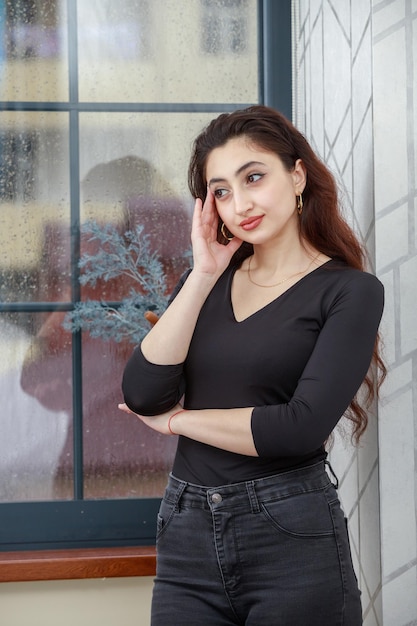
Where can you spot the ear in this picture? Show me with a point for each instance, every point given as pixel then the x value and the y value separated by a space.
pixel 299 174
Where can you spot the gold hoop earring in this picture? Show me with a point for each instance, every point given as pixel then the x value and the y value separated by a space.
pixel 300 204
pixel 229 238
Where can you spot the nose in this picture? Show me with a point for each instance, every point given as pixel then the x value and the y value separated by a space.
pixel 242 202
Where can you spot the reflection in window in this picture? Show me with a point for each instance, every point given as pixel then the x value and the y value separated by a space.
pixel 17 158
pixel 122 458
pixel 31 29
pixel 33 436
pixel 224 26
pixel 116 35
pixel 34 193
pixel 59 388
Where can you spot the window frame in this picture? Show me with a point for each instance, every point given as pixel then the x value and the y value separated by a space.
pixel 79 523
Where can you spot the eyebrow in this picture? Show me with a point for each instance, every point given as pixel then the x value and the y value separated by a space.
pixel 241 169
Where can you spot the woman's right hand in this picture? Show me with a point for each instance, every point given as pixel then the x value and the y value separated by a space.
pixel 167 343
pixel 210 256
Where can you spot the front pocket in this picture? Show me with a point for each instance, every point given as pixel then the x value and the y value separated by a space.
pixel 301 515
pixel 165 515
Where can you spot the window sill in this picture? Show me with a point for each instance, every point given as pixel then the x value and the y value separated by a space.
pixel 77 563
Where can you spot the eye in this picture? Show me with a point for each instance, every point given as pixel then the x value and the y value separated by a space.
pixel 253 178
pixel 219 193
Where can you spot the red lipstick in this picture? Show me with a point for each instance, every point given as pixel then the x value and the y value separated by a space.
pixel 251 222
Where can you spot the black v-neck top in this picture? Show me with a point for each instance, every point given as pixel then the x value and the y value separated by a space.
pixel 299 361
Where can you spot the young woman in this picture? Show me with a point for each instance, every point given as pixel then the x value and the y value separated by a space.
pixel 267 340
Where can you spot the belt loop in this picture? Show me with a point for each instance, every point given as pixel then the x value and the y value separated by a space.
pixel 254 504
pixel 331 470
pixel 180 491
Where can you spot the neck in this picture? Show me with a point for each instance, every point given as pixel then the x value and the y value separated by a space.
pixel 288 258
pixel 284 278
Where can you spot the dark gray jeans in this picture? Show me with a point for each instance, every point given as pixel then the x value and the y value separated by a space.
pixel 267 552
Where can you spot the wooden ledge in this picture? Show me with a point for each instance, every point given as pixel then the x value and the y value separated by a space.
pixel 77 563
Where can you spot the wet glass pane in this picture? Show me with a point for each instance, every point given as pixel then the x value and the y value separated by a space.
pixel 122 457
pixel 133 174
pixel 168 51
pixel 133 179
pixel 35 415
pixel 34 206
pixel 33 53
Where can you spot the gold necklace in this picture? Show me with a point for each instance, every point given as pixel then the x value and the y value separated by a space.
pixel 284 280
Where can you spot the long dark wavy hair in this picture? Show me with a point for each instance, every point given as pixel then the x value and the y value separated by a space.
pixel 321 224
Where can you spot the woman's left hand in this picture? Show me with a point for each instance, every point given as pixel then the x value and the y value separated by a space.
pixel 156 422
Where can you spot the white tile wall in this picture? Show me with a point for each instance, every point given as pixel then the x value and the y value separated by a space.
pixel 356 101
pixel 392 237
pixel 395 133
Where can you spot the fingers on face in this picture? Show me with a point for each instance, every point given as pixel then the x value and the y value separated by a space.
pixel 210 200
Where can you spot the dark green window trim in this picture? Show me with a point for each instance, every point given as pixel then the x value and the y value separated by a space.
pixel 275 43
pixel 77 524
pixel 83 523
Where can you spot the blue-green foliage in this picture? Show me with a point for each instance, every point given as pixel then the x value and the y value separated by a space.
pixel 119 255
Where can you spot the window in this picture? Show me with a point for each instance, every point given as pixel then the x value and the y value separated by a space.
pixel 17 155
pixel 101 103
pixel 32 29
pixel 116 34
pixel 224 25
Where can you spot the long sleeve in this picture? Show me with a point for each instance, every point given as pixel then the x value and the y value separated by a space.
pixel 298 361
pixel 334 372
pixel 151 389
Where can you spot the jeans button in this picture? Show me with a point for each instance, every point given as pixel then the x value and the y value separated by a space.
pixel 216 498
